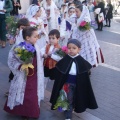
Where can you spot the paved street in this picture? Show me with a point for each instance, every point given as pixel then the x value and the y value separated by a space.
pixel 105 80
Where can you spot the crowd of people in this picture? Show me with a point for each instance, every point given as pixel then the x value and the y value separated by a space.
pixel 48 27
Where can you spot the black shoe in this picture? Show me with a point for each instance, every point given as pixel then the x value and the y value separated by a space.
pixel 109 26
pixel 97 29
pixel 101 30
pixel 105 25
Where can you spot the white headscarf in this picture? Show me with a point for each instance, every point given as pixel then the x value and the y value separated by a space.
pixel 53 15
pixel 32 10
pixel 85 15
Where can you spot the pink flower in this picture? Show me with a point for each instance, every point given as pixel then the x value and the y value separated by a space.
pixel 65 49
pixel 66 88
pixel 83 23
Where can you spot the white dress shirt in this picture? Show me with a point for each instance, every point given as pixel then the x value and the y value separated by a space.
pixel 2 3
pixel 73 67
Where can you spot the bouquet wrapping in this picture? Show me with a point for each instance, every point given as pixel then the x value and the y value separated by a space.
pixel 25 53
pixel 62 101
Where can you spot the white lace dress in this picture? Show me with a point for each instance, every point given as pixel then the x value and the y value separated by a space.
pixel 89 45
pixel 42 32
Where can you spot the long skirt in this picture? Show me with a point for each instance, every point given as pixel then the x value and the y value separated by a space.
pixel 30 106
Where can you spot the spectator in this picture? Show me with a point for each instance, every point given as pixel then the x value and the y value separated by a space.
pixel 16 7
pixel 5 9
pixel 109 14
pixel 100 15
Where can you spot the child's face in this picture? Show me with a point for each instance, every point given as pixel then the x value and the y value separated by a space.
pixel 38 13
pixel 71 11
pixel 33 38
pixel 53 39
pixel 78 12
pixel 48 2
pixel 73 49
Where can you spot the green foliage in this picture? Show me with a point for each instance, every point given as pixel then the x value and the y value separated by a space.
pixel 84 28
pixel 26 56
pixel 11 22
pixel 62 101
pixel 60 52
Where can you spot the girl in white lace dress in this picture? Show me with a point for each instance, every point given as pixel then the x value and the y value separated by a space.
pixel 90 48
pixel 25 93
pixel 67 25
pixel 33 14
pixel 52 14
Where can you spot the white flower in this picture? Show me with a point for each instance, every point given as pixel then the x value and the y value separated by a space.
pixel 23 47
pixel 64 108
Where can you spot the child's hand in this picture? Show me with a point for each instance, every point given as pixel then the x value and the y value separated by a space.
pixel 49 54
pixel 45 55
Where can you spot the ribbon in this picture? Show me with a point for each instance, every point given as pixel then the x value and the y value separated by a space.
pixel 25 68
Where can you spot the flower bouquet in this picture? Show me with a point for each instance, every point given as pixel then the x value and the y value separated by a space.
pixel 25 53
pixel 62 51
pixel 62 102
pixel 84 26
pixel 11 22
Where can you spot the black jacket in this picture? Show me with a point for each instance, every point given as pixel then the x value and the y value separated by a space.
pixel 84 96
pixel 102 6
pixel 109 13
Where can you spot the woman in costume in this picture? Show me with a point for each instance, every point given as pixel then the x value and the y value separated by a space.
pixel 90 48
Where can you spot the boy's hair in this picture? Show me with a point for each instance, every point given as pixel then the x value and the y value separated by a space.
pixel 75 42
pixel 54 32
pixel 28 31
pixel 70 3
pixel 23 22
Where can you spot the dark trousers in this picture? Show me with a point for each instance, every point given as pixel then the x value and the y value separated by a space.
pixel 108 21
pixel 49 73
pixel 100 25
pixel 70 97
pixel 2 27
